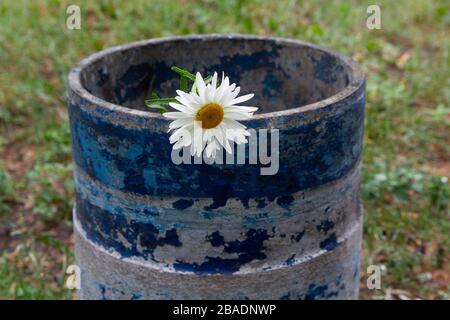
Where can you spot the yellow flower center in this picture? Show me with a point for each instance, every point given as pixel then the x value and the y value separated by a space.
pixel 211 115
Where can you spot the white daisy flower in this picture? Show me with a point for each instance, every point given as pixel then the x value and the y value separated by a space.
pixel 207 117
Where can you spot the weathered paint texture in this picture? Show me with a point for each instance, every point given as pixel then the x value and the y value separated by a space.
pixel 149 229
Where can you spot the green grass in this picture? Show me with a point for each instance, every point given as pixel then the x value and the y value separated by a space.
pixel 407 149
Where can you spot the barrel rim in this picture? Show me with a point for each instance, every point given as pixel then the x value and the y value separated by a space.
pixel 75 85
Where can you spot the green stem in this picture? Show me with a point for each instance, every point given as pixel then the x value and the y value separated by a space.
pixel 159 100
pixel 183 73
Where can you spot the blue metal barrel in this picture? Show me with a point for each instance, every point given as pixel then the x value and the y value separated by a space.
pixel 147 228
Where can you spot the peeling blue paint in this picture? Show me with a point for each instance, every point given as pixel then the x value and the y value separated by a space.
pixel 216 239
pixel 287 296
pixel 291 260
pixel 133 201
pixel 182 204
pixel 315 292
pixel 285 201
pixel 325 226
pixel 329 243
pixel 101 148
pixel 249 249
pixel 298 236
pixel 104 228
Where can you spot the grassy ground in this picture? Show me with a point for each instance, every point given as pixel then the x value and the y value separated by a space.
pixel 407 151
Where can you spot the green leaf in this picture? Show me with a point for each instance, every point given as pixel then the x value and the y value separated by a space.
pixel 159 101
pixel 161 108
pixel 183 73
pixel 155 95
pixel 183 83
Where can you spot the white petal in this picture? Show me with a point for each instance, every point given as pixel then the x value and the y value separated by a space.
pixel 221 137
pixel 174 115
pixel 233 124
pixel 201 87
pixel 237 135
pixel 182 108
pixel 242 98
pixel 228 146
pixel 208 135
pixel 238 139
pixel 198 141
pixel 241 109
pixel 238 115
pixel 214 80
pixel 210 148
pixel 227 98
pixel 186 100
pixel 180 122
pixel 236 92
pixel 191 97
pixel 222 89
pixel 210 93
pixel 178 145
pixel 185 140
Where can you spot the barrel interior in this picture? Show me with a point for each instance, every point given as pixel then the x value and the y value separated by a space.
pixel 282 75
